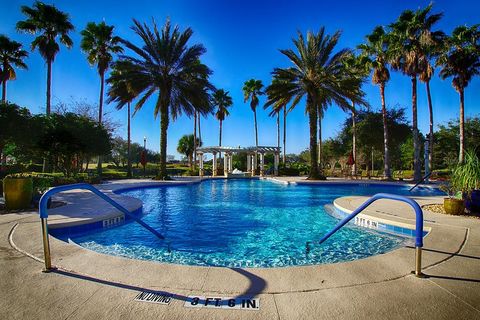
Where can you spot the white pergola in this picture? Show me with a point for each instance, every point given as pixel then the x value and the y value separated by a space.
pixel 252 153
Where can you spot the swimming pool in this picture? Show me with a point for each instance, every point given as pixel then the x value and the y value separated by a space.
pixel 243 223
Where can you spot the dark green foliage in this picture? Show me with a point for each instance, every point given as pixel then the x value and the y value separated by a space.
pixel 69 138
pixel 447 141
pixel 186 146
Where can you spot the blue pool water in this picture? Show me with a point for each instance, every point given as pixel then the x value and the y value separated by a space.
pixel 244 223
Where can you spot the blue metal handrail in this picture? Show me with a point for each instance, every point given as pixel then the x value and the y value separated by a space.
pixel 43 212
pixel 418 223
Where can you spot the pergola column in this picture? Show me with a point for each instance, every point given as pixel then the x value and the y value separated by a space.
pixel 214 164
pixel 230 163
pixel 249 162
pixel 262 162
pixel 200 160
pixel 275 163
pixel 255 163
pixel 225 164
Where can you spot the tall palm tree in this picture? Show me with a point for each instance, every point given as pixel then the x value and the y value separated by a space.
pixel 410 33
pixel 317 74
pixel 432 46
pixel 221 100
pixel 376 50
pixel 120 92
pixel 99 43
pixel 461 62
pixel 49 23
pixel 278 102
pixel 251 90
pixel 167 65
pixel 356 69
pixel 11 55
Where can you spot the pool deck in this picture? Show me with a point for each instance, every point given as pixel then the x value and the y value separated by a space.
pixel 90 285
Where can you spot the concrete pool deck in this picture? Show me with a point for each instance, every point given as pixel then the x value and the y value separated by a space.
pixel 92 285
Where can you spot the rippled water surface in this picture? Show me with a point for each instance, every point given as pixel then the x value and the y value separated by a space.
pixel 244 223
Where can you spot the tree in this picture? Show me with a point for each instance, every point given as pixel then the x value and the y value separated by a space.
pixel 49 23
pixel 370 133
pixel 16 127
pixel 318 74
pixel 461 62
pixel 11 55
pixel 278 103
pixel 251 90
pixel 99 43
pixel 70 138
pixel 222 100
pixel 376 49
pixel 357 69
pixel 447 141
pixel 120 91
pixel 409 35
pixel 166 64
pixel 186 146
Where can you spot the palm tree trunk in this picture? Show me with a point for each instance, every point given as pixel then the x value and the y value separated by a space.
pixel 386 156
pixel 278 130
pixel 354 141
pixel 284 134
pixel 320 167
pixel 163 139
pixel 100 116
pixel 4 91
pixel 49 84
pixel 417 165
pixel 220 143
pixel 461 155
pixel 129 157
pixel 199 131
pixel 430 142
pixel 256 129
pixel 194 139
pixel 312 120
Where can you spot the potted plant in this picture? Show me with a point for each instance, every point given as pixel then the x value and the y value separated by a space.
pixel 464 181
pixel 454 204
pixel 469 173
pixel 18 191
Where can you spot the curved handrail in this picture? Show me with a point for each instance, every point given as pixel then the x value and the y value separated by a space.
pixel 43 212
pixel 378 196
pixel 42 207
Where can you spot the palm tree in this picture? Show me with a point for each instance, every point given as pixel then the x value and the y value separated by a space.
pixel 461 62
pixel 251 90
pixel 167 65
pixel 432 49
pixel 278 102
pixel 356 69
pixel 120 92
pixel 50 23
pixel 186 146
pixel 11 55
pixel 376 50
pixel 410 35
pixel 222 100
pixel 317 74
pixel 99 43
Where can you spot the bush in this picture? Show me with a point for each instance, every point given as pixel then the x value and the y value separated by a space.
pixel 191 172
pixel 288 171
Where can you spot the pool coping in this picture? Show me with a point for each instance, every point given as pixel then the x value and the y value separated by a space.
pixel 394 264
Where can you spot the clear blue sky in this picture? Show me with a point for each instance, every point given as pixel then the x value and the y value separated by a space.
pixel 242 40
